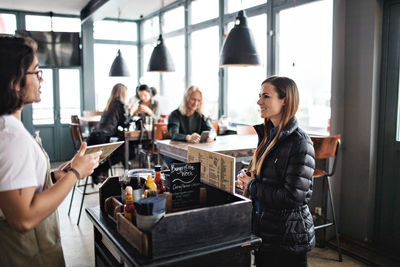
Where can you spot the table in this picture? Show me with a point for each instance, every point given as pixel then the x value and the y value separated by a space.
pixel 238 146
pixel 134 136
pixel 111 249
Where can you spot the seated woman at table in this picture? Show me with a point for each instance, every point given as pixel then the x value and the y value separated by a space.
pixel 188 121
pixel 115 115
pixel 144 104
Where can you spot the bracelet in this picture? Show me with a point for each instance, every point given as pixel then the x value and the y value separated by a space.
pixel 78 176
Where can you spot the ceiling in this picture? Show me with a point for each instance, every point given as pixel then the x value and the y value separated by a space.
pixel 133 9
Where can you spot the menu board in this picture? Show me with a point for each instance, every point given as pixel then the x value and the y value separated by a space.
pixel 185 184
pixel 216 169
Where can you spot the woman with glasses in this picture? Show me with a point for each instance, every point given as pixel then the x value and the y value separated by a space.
pixel 29 230
pixel 279 178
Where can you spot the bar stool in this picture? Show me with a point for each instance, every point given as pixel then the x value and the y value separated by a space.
pixel 326 148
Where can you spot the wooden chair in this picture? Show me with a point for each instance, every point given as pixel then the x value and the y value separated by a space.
pixel 327 148
pixel 245 129
pixel 77 139
pixel 216 126
pixel 91 113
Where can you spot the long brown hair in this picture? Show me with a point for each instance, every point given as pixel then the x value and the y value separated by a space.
pixel 286 89
pixel 119 91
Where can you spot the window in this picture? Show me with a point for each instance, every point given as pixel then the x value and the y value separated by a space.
pixel 205 67
pixel 8 23
pixel 69 94
pixel 37 23
pixel 43 112
pixel 305 55
pixel 174 82
pixel 237 5
pixel 104 55
pixel 61 24
pixel 244 83
pixel 203 10
pixel 173 20
pixel 115 30
pixel 149 78
pixel 151 28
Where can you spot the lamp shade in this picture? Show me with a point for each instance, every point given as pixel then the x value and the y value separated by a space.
pixel 119 67
pixel 238 48
pixel 161 60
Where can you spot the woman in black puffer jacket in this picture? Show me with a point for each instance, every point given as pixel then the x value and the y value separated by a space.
pixel 279 180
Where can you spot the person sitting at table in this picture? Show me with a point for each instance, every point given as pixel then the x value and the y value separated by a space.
pixel 114 115
pixel 144 104
pixel 188 121
pixel 29 192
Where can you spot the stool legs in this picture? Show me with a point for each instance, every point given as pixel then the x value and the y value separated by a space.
pixel 334 218
pixel 72 197
pixel 83 197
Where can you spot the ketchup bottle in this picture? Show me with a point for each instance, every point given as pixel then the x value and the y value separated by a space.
pixel 158 180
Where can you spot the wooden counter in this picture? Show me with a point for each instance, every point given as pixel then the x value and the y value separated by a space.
pixel 238 146
pixel 111 249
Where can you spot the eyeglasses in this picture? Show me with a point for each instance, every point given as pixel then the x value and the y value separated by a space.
pixel 38 73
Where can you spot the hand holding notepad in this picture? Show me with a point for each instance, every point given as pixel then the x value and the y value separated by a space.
pixel 106 149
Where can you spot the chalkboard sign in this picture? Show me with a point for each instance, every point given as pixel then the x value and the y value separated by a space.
pixel 185 184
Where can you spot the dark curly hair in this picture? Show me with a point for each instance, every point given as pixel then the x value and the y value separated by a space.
pixel 16 56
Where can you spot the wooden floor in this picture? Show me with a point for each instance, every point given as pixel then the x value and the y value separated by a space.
pixel 78 241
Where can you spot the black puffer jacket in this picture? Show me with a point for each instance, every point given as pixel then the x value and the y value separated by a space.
pixel 281 216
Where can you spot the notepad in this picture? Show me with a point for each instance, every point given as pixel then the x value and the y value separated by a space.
pixel 106 149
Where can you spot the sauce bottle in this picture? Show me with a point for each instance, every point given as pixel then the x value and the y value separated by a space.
pixel 129 208
pixel 150 183
pixel 158 180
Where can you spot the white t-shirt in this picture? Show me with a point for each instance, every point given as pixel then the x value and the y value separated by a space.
pixel 22 161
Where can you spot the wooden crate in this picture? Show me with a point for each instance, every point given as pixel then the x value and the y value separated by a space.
pixel 221 218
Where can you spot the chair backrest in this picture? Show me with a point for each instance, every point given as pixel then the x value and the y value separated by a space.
pixel 76 134
pixel 75 119
pixel 161 131
pixel 327 147
pixel 216 126
pixel 91 113
pixel 245 129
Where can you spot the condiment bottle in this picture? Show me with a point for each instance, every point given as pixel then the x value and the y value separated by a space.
pixel 150 183
pixel 158 180
pixel 129 208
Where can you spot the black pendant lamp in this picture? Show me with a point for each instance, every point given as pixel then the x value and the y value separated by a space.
pixel 119 66
pixel 161 60
pixel 239 48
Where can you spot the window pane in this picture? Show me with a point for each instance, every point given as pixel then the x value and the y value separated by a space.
pixel 174 82
pixel 203 10
pixel 305 55
pixel 62 24
pixel 114 30
pixel 151 28
pixel 243 92
pixel 104 56
pixel 43 112
pixel 205 67
pixel 173 20
pixel 236 5
pixel 37 23
pixel 8 23
pixel 149 78
pixel 70 100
